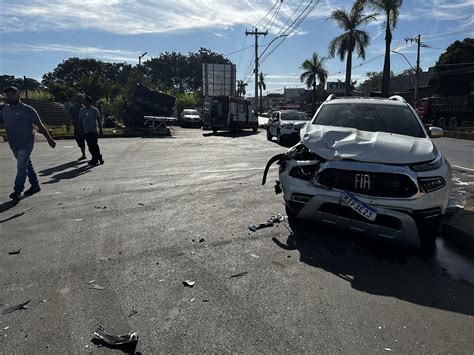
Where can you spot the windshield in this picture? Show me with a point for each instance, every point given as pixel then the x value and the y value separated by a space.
pixel 293 116
pixel 372 118
pixel 190 112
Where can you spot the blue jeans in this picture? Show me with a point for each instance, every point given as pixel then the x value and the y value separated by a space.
pixel 24 169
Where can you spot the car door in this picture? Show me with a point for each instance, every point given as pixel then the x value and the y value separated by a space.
pixel 271 124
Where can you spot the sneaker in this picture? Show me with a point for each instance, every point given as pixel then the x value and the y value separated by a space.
pixel 32 190
pixel 15 196
pixel 92 162
pixel 101 161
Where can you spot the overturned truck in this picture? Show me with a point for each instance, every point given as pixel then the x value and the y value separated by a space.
pixel 147 102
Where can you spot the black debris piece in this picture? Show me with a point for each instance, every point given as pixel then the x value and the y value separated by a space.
pixel 239 275
pixel 189 283
pixel 133 312
pixel 16 308
pixel 15 252
pixel 202 240
pixel 270 223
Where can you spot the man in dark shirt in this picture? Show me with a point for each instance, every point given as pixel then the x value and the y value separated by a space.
pixel 78 131
pixel 90 120
pixel 18 119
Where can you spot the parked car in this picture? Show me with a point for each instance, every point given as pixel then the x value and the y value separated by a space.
pixel 285 125
pixel 190 118
pixel 367 165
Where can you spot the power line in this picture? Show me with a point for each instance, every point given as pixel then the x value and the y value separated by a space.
pixel 263 18
pixel 447 33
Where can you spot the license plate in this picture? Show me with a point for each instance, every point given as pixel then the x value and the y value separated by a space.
pixel 358 206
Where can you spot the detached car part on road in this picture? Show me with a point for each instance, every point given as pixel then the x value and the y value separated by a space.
pixel 367 165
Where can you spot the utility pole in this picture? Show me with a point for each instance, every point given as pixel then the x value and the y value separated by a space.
pixel 256 34
pixel 26 86
pixel 416 39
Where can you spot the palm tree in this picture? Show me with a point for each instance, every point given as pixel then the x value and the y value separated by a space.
pixel 391 10
pixel 314 71
pixel 262 86
pixel 241 88
pixel 353 38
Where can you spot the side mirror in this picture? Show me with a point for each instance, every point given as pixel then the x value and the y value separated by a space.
pixel 436 132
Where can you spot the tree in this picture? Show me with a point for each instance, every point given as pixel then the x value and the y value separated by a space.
pixel 241 92
pixel 373 83
pixel 314 71
pixel 451 76
pixel 11 80
pixel 391 11
pixel 353 38
pixel 262 86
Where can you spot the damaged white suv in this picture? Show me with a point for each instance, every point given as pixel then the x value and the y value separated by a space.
pixel 367 165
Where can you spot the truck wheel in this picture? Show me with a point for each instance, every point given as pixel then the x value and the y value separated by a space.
pixel 441 122
pixel 453 122
pixel 269 135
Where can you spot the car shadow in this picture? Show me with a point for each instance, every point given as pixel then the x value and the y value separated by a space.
pixel 379 268
pixel 71 174
pixel 227 134
pixel 62 167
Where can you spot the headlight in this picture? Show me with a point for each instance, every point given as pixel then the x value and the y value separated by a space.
pixel 432 183
pixel 432 165
pixel 287 125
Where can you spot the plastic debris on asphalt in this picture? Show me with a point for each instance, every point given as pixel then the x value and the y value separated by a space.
pixel 270 223
pixel 18 307
pixel 239 274
pixel 133 312
pixel 189 283
pixel 115 340
pixel 97 287
pixel 15 252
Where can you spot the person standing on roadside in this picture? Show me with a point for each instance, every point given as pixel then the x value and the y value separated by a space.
pixel 18 119
pixel 91 125
pixel 73 112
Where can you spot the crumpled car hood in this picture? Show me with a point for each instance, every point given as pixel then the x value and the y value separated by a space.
pixel 338 143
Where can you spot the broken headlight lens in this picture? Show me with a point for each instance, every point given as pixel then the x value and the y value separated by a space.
pixel 432 183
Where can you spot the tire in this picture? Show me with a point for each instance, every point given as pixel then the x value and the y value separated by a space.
pixel 269 135
pixel 441 122
pixel 280 139
pixel 255 129
pixel 214 130
pixel 453 122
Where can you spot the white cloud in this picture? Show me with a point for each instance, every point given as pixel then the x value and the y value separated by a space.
pixel 138 17
pixel 117 55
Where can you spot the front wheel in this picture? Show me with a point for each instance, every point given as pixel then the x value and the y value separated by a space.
pixel 279 138
pixel 269 135
pixel 441 122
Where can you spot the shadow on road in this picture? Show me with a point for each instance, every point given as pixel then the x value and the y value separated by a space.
pixel 228 134
pixel 126 349
pixel 379 268
pixel 71 174
pixel 7 205
pixel 62 167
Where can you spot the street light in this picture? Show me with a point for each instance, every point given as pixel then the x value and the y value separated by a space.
pixel 416 74
pixel 140 58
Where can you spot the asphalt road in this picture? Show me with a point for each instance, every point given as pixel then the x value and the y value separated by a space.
pixel 164 210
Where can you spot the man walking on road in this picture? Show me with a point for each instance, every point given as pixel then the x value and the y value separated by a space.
pixel 73 112
pixel 18 119
pixel 90 119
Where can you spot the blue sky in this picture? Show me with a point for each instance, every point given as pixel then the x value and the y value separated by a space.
pixel 37 35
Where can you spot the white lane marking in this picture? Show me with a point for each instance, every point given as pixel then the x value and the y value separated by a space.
pixel 462 168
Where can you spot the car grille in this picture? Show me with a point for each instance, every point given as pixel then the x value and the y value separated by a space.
pixel 368 183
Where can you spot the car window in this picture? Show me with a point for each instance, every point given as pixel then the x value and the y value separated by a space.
pixel 372 118
pixel 190 112
pixel 293 116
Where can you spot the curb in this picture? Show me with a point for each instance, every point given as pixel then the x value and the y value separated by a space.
pixel 459 135
pixel 460 229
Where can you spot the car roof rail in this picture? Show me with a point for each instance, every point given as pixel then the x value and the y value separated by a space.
pixel 397 98
pixel 331 97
